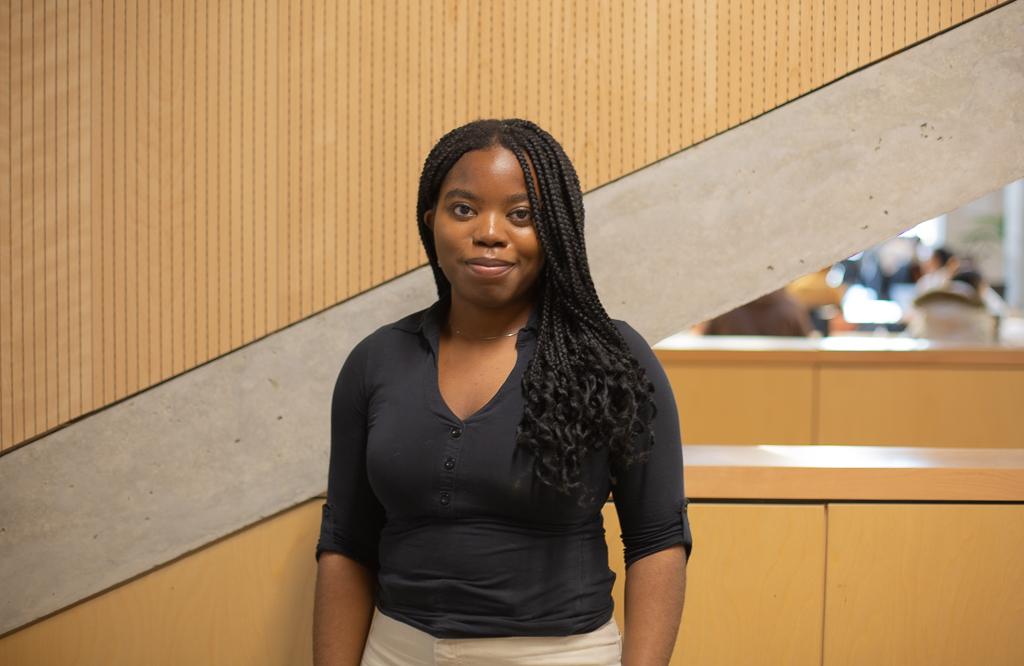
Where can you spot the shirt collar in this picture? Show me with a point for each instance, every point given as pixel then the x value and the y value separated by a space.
pixel 429 321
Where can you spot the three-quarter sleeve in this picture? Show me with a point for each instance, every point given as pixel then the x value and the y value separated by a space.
pixel 649 497
pixel 352 516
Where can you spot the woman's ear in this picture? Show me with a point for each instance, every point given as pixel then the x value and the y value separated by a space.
pixel 428 219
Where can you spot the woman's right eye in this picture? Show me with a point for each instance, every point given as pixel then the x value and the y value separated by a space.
pixel 462 210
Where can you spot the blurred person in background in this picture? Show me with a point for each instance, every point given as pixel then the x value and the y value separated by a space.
pixel 937 269
pixel 953 310
pixel 821 296
pixel 774 314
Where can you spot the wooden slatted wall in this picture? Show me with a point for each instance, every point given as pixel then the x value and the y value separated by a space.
pixel 180 178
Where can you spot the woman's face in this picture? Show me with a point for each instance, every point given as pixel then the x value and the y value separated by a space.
pixel 484 231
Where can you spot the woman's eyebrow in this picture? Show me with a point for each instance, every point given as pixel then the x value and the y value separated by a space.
pixel 516 198
pixel 457 193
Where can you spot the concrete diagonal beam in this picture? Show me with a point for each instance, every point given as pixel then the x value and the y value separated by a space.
pixel 246 436
pixel 815 181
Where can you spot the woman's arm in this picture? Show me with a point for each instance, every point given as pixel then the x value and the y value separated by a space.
pixel 652 510
pixel 342 610
pixel 655 589
pixel 346 582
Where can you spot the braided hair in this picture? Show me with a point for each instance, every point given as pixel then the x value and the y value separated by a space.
pixel 584 389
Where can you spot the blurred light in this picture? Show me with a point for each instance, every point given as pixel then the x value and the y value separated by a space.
pixel 924 253
pixel 856 257
pixel 872 312
pixel 931 232
pixel 835 275
pixel 857 343
pixel 848 457
pixel 858 292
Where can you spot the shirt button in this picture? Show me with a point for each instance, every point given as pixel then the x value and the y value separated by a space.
pixel 456 432
pixel 449 463
pixel 445 499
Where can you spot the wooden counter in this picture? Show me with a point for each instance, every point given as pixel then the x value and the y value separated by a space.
pixel 840 349
pixel 840 556
pixel 845 391
pixel 835 473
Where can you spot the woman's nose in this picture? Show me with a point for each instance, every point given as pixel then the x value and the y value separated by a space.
pixel 489 230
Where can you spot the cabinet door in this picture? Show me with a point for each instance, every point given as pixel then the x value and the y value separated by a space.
pixel 925 584
pixel 245 601
pixel 755 584
pixel 743 403
pixel 916 405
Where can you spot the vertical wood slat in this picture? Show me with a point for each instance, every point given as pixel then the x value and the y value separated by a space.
pixel 223 222
pixel 58 342
pixel 236 176
pixel 130 178
pixel 181 178
pixel 35 312
pixel 85 226
pixel 7 401
pixel 256 157
pixel 16 336
pixel 115 196
pixel 49 199
pixel 153 273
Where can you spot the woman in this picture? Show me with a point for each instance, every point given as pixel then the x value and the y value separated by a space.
pixel 474 444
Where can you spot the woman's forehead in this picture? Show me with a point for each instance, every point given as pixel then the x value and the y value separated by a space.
pixel 489 167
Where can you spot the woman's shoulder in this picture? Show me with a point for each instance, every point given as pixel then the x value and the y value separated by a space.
pixel 636 342
pixel 387 336
pixel 381 350
pixel 642 351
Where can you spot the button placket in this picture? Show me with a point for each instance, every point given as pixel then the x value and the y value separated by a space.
pixel 448 463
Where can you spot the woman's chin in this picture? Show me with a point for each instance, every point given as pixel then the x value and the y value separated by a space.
pixel 493 296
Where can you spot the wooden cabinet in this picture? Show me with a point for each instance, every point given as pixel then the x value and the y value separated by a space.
pixel 914 405
pixel 800 392
pixel 732 403
pixel 246 600
pixel 755 584
pixel 929 584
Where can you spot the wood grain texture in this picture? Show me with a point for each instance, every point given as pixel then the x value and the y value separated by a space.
pixel 924 584
pixel 755 584
pixel 722 403
pixel 6 215
pixel 919 406
pixel 245 600
pixel 796 392
pixel 712 350
pixel 186 177
pixel 854 473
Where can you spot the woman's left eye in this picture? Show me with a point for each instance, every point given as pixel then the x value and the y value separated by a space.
pixel 521 215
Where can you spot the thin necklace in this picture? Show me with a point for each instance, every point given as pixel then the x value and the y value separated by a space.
pixel 473 337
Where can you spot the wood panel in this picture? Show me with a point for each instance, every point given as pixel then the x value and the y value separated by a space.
pixel 738 404
pixel 245 600
pixel 183 177
pixel 755 584
pixel 825 473
pixel 755 350
pixel 915 406
pixel 924 584
pixel 799 392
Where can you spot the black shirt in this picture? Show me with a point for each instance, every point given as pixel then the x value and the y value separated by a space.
pixel 465 540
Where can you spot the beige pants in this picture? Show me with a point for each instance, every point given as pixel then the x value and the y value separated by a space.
pixel 394 643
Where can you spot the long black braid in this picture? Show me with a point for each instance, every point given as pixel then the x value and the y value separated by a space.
pixel 584 388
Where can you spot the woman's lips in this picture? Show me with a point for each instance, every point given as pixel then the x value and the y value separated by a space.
pixel 488 267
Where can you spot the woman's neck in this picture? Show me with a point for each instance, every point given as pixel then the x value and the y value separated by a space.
pixel 473 321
